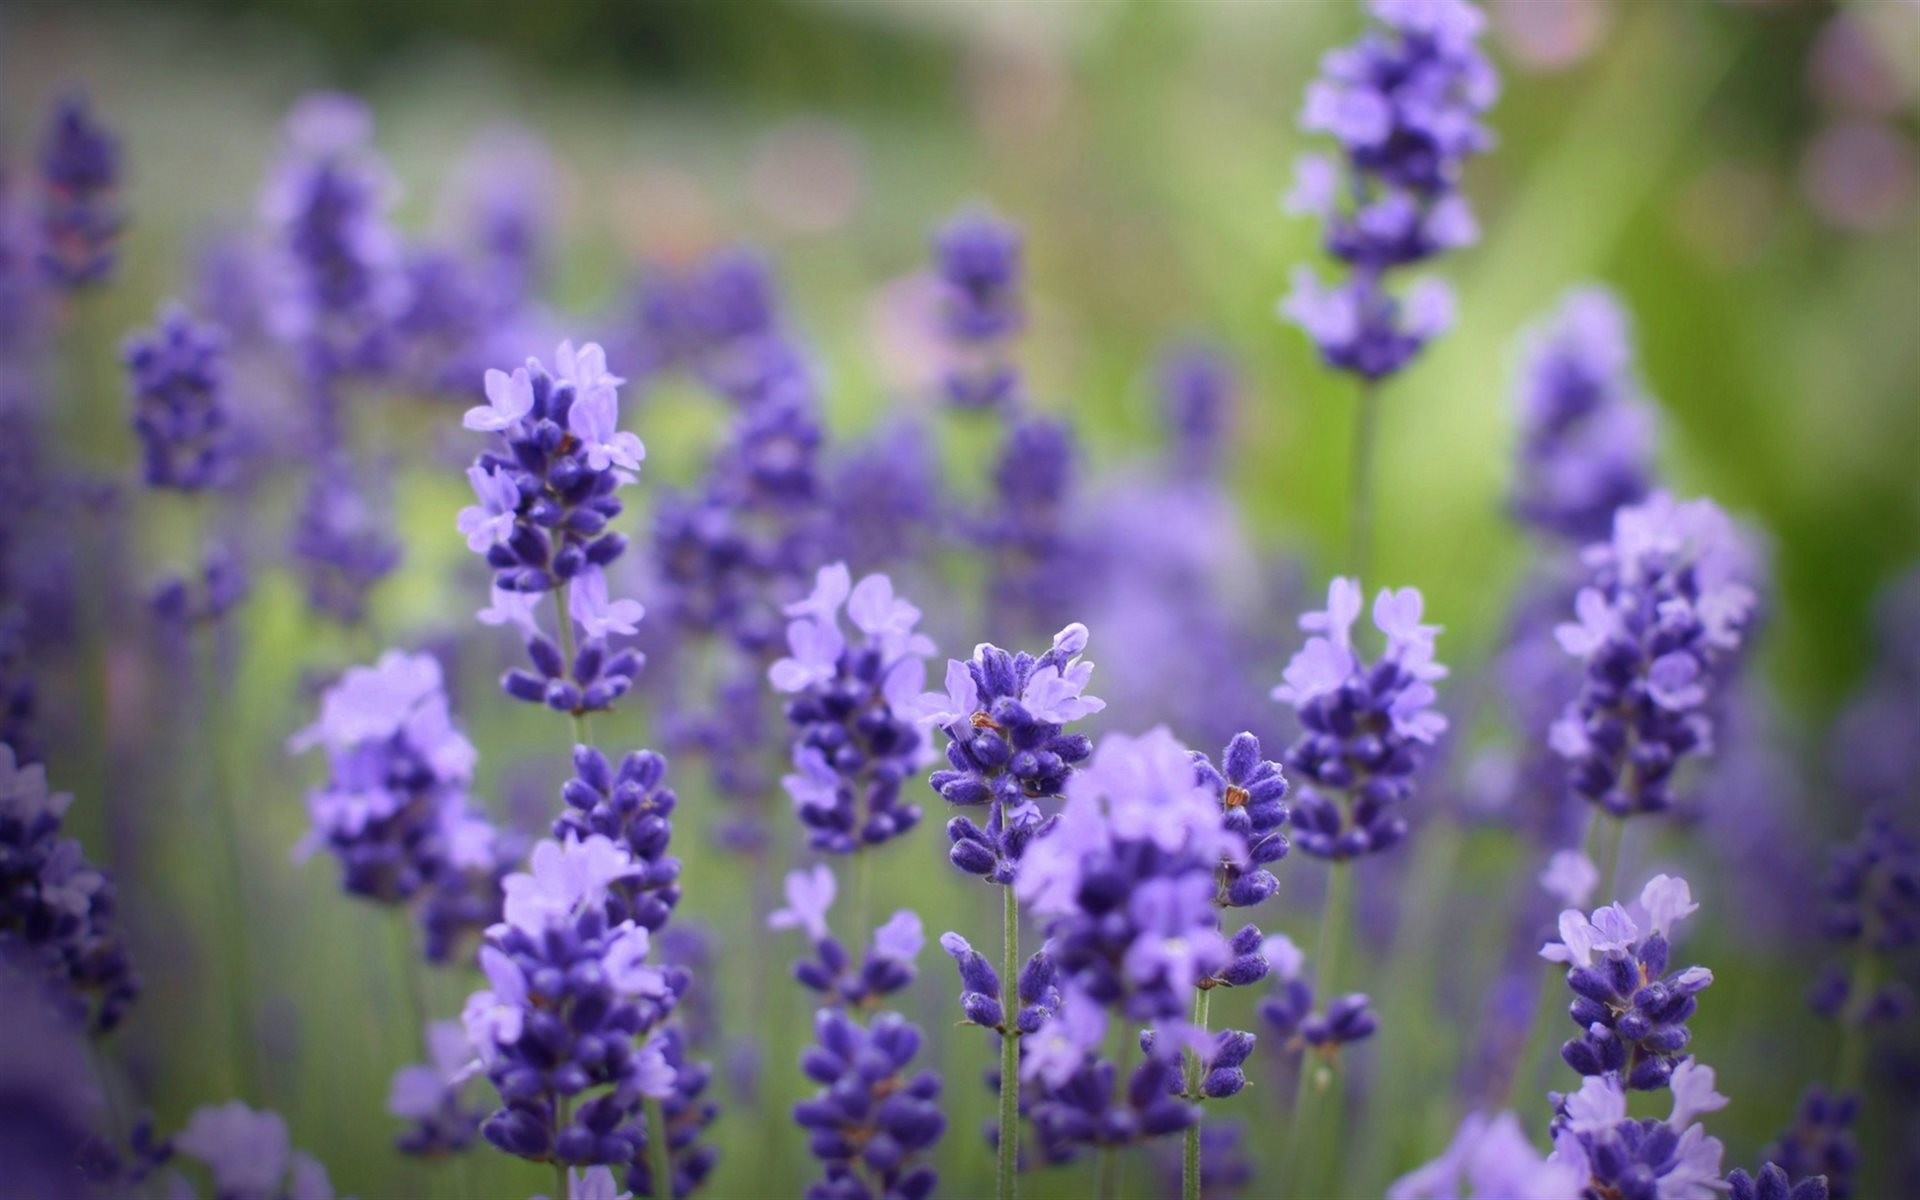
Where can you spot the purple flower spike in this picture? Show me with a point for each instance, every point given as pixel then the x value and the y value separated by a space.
pixel 1405 104
pixel 1365 727
pixel 80 172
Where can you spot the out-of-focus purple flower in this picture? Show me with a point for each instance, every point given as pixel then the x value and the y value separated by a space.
pixel 1035 562
pixel 205 597
pixel 430 1096
pixel 501 201
pixel 1872 907
pixel 1365 726
pixel 1666 611
pixel 343 541
pixel 80 175
pixel 1488 1158
pixel 1773 1183
pixel 1821 1142
pixel 57 910
pixel 395 810
pixel 1405 104
pixel 1197 393
pixel 1586 433
pixel 1005 718
pixel 251 1155
pixel 882 498
pixel 1876 742
pixel 1570 877
pixel 177 377
pixel 333 277
pixel 1674 1159
pixel 1632 1013
pixel 977 264
pixel 1289 1009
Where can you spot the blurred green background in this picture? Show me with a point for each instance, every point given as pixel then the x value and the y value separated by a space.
pixel 1671 150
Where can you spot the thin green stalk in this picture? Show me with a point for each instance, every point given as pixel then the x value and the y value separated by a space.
pixel 582 728
pixel 1103 1173
pixel 1319 1091
pixel 862 897
pixel 659 1151
pixel 227 823
pixel 1851 1068
pixel 1366 421
pixel 1606 834
pixel 1190 1181
pixel 1006 1185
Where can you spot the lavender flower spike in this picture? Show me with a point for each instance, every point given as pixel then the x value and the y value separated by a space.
pixel 853 710
pixel 1632 1013
pixel 1489 1159
pixel 1365 727
pixel 1614 1154
pixel 1405 104
pixel 80 171
pixel 1005 717
pixel 250 1154
pixel 177 375
pixel 1666 611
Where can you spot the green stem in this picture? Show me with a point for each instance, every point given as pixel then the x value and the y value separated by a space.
pixel 1851 1068
pixel 659 1150
pixel 1606 834
pixel 226 821
pixel 1317 1101
pixel 1006 1185
pixel 582 728
pixel 1190 1181
pixel 862 898
pixel 1366 420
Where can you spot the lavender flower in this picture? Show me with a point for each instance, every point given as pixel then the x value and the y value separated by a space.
pixel 431 1096
pixel 568 1030
pixel 57 910
pixel 1489 1158
pixel 1034 562
pixel 1586 432
pixel 1005 717
pixel 80 172
pixel 1667 607
pixel 1617 1155
pixel 336 282
pixel 1079 1099
pixel 1125 880
pixel 1364 726
pixel 395 810
pixel 546 496
pixel 1197 387
pixel 1405 103
pixel 178 379
pixel 1252 793
pixel 1821 1143
pixel 1773 1183
pixel 632 807
pixel 204 598
pixel 853 710
pixel 1632 1013
pixel 889 963
pixel 871 1122
pixel 1289 1010
pixel 977 265
pixel 250 1155
pixel 343 542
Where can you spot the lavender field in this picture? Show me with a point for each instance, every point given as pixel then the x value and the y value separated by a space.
pixel 553 561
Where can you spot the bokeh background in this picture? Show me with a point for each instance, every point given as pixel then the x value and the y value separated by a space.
pixel 1743 174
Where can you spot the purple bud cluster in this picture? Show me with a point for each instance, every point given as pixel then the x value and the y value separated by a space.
pixel 572 1031
pixel 1034 562
pixel 1252 794
pixel 1821 1142
pixel 633 808
pixel 831 971
pixel 1005 717
pixel 853 710
pixel 57 910
pixel 1405 103
pixel 183 601
pixel 1873 906
pixel 1665 611
pixel 872 1123
pixel 177 374
pixel 1289 1009
pixel 1365 727
pixel 432 1096
pixel 1076 1099
pixel 1197 391
pixel 1613 1154
pixel 343 540
pixel 980 1002
pixel 1126 880
pixel 335 282
pixel 1631 1012
pixel 1586 432
pixel 1773 1183
pixel 978 273
pixel 80 175
pixel 395 810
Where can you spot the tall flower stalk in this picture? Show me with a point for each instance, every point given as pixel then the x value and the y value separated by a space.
pixel 1005 716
